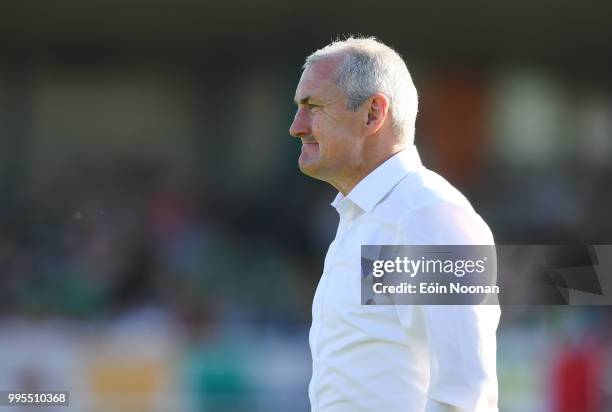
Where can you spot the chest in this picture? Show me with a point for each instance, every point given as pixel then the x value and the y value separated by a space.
pixel 338 295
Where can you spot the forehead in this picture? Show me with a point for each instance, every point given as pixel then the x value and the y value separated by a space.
pixel 317 80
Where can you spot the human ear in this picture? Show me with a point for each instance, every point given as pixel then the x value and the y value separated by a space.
pixel 378 108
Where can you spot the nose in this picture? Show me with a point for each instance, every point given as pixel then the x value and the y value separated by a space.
pixel 301 124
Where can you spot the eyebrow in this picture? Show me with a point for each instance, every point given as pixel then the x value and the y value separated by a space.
pixel 304 100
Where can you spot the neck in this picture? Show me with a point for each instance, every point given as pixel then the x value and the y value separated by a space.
pixel 364 168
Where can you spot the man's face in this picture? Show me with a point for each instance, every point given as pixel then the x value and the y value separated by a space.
pixel 330 133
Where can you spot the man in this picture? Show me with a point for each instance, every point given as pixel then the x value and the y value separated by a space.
pixel 356 111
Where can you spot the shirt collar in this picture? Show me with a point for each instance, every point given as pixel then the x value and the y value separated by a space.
pixel 372 188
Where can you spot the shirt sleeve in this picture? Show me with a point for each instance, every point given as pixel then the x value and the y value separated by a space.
pixel 461 338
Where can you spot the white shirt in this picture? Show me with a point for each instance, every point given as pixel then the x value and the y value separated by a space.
pixel 400 358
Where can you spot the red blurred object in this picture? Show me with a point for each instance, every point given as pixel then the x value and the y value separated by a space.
pixel 577 379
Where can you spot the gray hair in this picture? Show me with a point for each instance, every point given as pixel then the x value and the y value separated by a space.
pixel 369 67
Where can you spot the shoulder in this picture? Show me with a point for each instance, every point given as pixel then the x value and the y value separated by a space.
pixel 425 187
pixel 432 211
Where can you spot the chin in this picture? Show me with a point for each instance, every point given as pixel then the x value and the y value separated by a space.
pixel 306 169
pixel 309 169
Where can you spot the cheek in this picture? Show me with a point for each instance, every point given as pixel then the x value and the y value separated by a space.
pixel 318 126
pixel 334 137
pixel 325 135
pixel 325 130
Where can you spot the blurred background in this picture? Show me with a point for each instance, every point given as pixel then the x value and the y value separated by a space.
pixel 159 249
